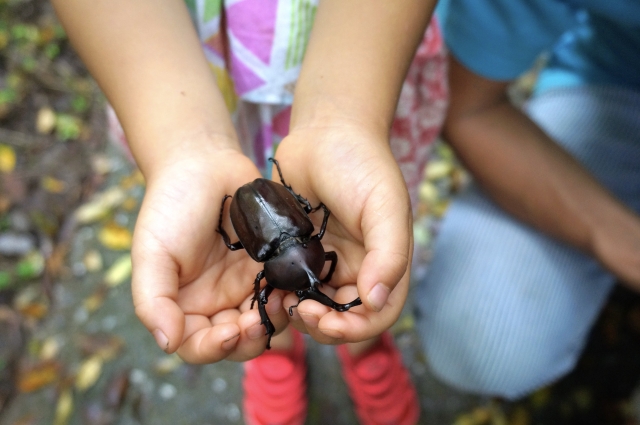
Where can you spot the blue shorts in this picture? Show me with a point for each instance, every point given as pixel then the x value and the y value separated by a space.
pixel 504 309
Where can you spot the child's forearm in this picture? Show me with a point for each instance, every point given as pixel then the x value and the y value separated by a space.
pixel 357 59
pixel 147 59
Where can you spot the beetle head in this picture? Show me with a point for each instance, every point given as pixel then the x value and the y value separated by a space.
pixel 296 267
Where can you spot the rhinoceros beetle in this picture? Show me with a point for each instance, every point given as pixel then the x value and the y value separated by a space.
pixel 273 225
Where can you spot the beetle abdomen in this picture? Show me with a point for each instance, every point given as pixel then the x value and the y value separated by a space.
pixel 263 213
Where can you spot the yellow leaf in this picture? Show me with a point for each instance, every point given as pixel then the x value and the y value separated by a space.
pixel 438 169
pixel 428 192
pixel 119 271
pixel 93 260
pixel 115 237
pixel 167 364
pixel 64 408
pixel 52 185
pixel 50 348
pixel 7 159
pixel 45 121
pixel 89 373
pixel 100 206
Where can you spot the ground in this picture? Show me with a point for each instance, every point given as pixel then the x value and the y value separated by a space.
pixel 71 348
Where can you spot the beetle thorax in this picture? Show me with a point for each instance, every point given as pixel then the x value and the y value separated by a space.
pixel 296 266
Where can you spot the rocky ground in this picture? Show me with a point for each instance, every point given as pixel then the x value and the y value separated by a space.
pixel 71 348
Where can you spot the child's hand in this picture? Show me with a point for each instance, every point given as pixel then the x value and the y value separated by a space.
pixel 354 173
pixel 189 289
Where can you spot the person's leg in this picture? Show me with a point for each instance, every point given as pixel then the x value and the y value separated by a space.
pixel 505 309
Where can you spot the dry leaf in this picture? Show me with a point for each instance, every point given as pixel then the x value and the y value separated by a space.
pixel 45 121
pixel 64 408
pixel 50 348
pixel 117 390
pixel 167 364
pixel 38 376
pixel 105 346
pixel 95 300
pixel 52 185
pixel 130 203
pixel 428 192
pixel 115 237
pixel 7 159
pixel 438 169
pixel 89 372
pixel 119 271
pixel 100 206
pixel 93 260
pixel 134 179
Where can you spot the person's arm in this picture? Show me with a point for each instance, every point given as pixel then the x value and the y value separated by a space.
pixel 146 57
pixel 189 290
pixel 533 178
pixel 338 152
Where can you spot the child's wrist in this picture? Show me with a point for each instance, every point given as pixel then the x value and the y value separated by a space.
pixel 194 147
pixel 343 112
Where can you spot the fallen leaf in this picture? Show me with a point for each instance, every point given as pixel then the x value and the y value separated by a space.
pixel 100 206
pixel 35 310
pixel 68 127
pixel 428 192
pixel 130 203
pixel 38 376
pixel 30 266
pixel 50 348
pixel 93 260
pixel 117 390
pixel 64 408
pixel 167 364
pixel 94 301
pixel 52 185
pixel 7 159
pixel 115 237
pixel 101 164
pixel 89 372
pixel 134 179
pixel 105 346
pixel 45 120
pixel 119 271
pixel 438 169
pixel 5 280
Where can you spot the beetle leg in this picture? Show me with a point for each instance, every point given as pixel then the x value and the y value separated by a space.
pixel 262 301
pixel 225 237
pixel 333 257
pixel 305 203
pixel 323 227
pixel 256 288
pixel 314 293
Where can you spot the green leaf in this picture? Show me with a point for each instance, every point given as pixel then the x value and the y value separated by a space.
pixel 5 280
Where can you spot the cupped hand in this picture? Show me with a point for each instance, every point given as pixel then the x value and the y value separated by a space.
pixel 189 290
pixel 354 174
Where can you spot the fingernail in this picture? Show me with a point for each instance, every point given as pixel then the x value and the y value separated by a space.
pixel 332 333
pixel 378 296
pixel 230 343
pixel 161 339
pixel 310 319
pixel 256 331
